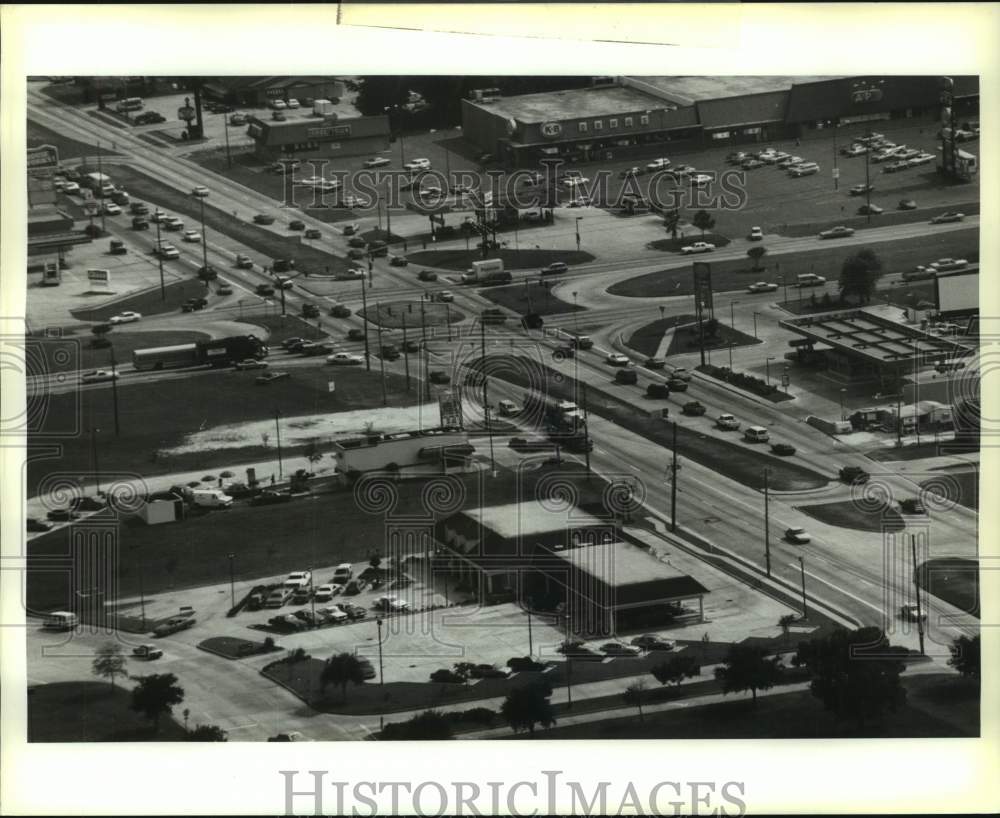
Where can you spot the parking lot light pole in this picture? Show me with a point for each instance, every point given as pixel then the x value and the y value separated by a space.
pixel 842 391
pixel 732 315
pixel 93 453
pixel 204 248
pixel 381 677
pixel 381 355
pixel 277 434
pixel 767 369
pixel 578 220
pixel 868 186
pixel 229 156
pixel 767 525
pixel 364 310
pixel 802 574
pixel 784 285
pixel 730 356
pixel 232 581
pixel 755 324
pixel 159 257
pixel 142 596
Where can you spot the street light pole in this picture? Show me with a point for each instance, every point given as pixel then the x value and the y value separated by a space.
pixel 277 435
pixel 755 324
pixel 232 582
pixel 229 156
pixel 732 315
pixel 916 587
pixel 767 526
pixel 114 388
pixel 364 310
pixel 578 218
pixel 767 369
pixel 381 354
pixel 159 256
pixel 842 391
pixel 406 353
pixel 204 245
pixel 93 453
pixel 802 574
pixel 673 483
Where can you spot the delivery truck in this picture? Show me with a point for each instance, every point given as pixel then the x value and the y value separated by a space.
pixel 486 273
pixel 217 352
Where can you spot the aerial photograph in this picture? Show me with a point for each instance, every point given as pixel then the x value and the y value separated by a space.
pixel 459 407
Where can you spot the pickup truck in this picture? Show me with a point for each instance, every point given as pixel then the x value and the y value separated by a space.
pixel 147 652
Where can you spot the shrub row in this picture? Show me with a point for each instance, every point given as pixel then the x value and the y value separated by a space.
pixel 749 382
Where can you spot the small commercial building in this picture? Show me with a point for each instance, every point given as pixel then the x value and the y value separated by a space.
pixel 566 561
pixel 328 137
pixel 427 451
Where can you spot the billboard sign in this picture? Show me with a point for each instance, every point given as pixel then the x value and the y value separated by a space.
pixel 551 130
pixel 99 279
pixel 957 293
pixel 43 159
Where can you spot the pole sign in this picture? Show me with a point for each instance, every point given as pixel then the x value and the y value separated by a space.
pixel 331 386
pixel 99 279
pixel 43 159
pixel 703 286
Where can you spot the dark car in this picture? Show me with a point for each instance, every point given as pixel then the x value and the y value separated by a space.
pixel 296 224
pixel 356 334
pixel 262 218
pixel 658 390
pixel 34 526
pixel 693 408
pixel 283 265
pixel 310 311
pixel 439 377
pixel 62 515
pixel 912 505
pixel 356 253
pixel 149 118
pixel 854 474
pixel 654 363
pixel 493 315
pixel 677 385
pixel 270 498
pixel 555 268
pixel 530 444
pixel 564 352
pixel 582 342
pixel 139 223
pixel 313 233
pixel 427 275
pixel 907 204
pixel 139 209
pixel 626 376
pixel 357 241
pixel 783 449
pixel 264 289
pixel 340 311
pixel 399 261
pixel 411 346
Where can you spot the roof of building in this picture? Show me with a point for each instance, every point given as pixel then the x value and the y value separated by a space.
pixel 746 110
pixel 523 519
pixel 572 104
pixel 873 337
pixel 634 573
pixel 688 90
pixel 272 132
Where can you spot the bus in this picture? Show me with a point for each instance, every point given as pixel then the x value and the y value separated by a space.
pixel 129 104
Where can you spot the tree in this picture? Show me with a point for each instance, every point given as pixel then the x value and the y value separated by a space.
pixel 155 695
pixel 675 670
pixel 464 669
pixel 527 706
pixel 756 253
pixel 703 221
pixel 109 662
pixel 375 561
pixel 786 622
pixel 341 669
pixel 208 732
pixel 431 725
pixel 633 695
pixel 859 275
pixel 100 331
pixel 854 673
pixel 312 453
pixel 748 668
pixel 965 655
pixel 671 221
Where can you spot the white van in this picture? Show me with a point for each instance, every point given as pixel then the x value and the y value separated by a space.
pixel 809 280
pixel 61 621
pixel 211 498
pixel 343 573
pixel 803 169
pixel 507 408
pixel 756 434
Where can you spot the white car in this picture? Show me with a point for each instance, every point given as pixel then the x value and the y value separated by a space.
pixel 377 162
pixel 727 423
pixel 617 359
pixel 292 103
pixel 127 317
pixel 173 223
pixel 111 209
pixel 356 201
pixel 944 265
pixel 324 593
pixel 200 191
pixel 921 159
pixel 579 201
pixel 344 359
pixel 391 603
pixel 70 187
pixel 167 251
pixel 279 104
pixel 298 579
pixel 310 181
pixel 574 181
pixel 797 535
pixel 698 247
pixel 157 216
pixel 418 164
pixel 854 150
pixel 756 234
pixel 98 375
pixel 762 287
pixel 700 179
pixel 191 236
pixel 334 613
pixel 658 164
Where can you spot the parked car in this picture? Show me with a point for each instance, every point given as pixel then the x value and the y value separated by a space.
pixel 693 408
pixel 797 535
pixel 649 641
pixel 618 649
pixel 149 118
pixel 355 586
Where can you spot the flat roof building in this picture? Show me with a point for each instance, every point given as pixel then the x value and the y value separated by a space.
pixel 318 138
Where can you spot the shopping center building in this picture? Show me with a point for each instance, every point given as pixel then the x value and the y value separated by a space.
pixel 318 138
pixel 643 116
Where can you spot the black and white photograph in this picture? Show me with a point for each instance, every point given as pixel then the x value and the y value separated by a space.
pixel 507 405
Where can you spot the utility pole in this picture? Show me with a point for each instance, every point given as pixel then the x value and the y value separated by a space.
pixel 423 343
pixel 586 432
pixel 486 402
pixel 114 388
pixel 232 582
pixel 364 310
pixel 204 251
pixel 802 574
pixel 836 170
pixel 868 186
pixel 100 173
pixel 381 354
pixel 916 587
pixel 767 526
pixel 159 257
pixel 673 483
pixel 229 156
pixel 93 454
pixel 277 434
pixel 406 354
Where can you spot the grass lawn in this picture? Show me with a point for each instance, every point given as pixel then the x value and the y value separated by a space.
pixel 646 340
pixel 528 297
pixel 92 711
pixel 157 415
pixel 287 326
pixel 674 245
pixel 741 463
pixel 68 148
pixel 954 580
pixel 391 314
pixel 240 227
pixel 230 647
pixel 735 274
pixel 685 338
pixel 461 260
pixel 958 484
pixel 855 516
pixel 147 302
pixel 783 715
